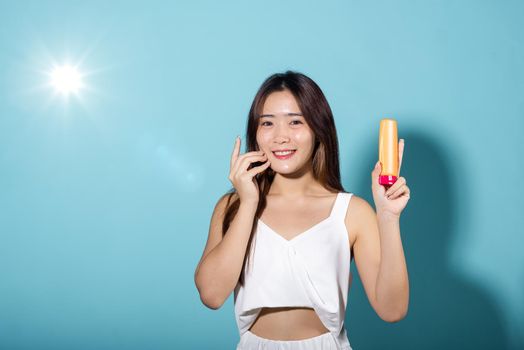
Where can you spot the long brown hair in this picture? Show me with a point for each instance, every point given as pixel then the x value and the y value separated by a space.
pixel 318 115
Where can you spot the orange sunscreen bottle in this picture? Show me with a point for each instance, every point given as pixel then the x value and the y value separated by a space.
pixel 388 152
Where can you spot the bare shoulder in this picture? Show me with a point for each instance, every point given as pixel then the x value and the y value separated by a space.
pixel 219 211
pixel 215 226
pixel 225 199
pixel 358 215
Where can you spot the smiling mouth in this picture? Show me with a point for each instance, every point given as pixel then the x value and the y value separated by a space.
pixel 284 155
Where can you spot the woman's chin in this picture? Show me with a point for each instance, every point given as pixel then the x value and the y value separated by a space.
pixel 284 170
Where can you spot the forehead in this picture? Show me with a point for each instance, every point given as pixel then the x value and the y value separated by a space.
pixel 280 102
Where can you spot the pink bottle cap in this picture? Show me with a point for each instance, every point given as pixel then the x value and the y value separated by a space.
pixel 387 179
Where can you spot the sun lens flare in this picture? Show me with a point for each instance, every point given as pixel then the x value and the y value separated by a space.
pixel 66 79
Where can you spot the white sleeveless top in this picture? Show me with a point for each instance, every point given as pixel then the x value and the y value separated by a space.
pixel 310 270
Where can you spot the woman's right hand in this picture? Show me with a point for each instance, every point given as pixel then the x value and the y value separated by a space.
pixel 243 179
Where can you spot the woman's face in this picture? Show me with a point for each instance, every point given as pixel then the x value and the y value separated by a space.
pixel 282 127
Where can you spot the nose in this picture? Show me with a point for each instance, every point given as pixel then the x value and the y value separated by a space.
pixel 281 132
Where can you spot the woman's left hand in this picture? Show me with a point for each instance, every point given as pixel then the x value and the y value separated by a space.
pixel 393 200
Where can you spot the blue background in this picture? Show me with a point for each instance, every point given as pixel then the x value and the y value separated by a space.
pixel 105 197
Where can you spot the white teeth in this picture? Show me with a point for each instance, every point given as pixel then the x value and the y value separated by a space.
pixel 283 153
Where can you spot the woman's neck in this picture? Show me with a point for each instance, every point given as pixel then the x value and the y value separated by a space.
pixel 291 186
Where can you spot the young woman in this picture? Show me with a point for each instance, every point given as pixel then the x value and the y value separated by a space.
pixel 283 238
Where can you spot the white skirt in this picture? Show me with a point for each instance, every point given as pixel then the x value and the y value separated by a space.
pixel 250 341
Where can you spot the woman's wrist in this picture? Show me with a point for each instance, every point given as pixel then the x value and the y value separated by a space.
pixel 385 216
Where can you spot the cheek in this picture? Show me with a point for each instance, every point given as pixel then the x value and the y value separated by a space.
pixel 262 139
pixel 261 142
pixel 304 138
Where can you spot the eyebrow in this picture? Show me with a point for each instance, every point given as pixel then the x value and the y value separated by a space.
pixel 287 115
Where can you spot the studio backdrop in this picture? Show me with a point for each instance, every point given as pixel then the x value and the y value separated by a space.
pixel 117 123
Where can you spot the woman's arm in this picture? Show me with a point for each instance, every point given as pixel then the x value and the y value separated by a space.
pixel 392 289
pixel 217 273
pixel 380 261
pixel 378 247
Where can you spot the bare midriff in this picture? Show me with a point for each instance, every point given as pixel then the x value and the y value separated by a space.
pixel 288 323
